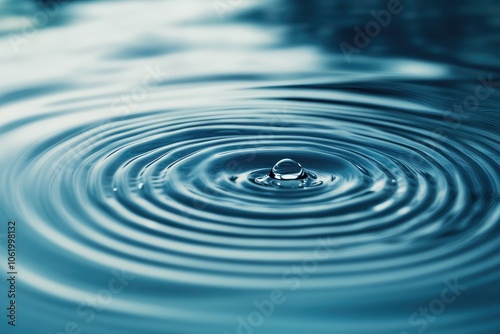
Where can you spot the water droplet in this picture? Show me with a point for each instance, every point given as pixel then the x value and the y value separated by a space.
pixel 115 189
pixel 287 169
pixel 140 185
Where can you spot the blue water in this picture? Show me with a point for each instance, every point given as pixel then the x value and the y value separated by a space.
pixel 138 140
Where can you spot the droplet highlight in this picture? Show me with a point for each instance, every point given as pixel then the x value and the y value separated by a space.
pixel 287 169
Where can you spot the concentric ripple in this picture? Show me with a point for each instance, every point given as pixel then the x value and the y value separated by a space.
pixel 192 193
pixel 235 197
pixel 218 150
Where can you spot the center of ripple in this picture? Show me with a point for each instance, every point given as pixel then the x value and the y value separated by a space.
pixel 287 169
pixel 287 174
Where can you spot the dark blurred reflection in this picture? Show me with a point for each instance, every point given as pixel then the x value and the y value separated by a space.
pixel 466 32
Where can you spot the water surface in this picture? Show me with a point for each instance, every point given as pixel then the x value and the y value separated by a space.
pixel 141 136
